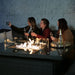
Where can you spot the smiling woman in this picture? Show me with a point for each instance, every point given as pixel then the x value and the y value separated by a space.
pixel 44 29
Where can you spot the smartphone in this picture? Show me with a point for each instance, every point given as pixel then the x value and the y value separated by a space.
pixel 7 23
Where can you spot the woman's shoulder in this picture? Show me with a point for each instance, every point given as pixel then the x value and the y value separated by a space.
pixel 68 31
pixel 36 28
pixel 48 29
pixel 27 26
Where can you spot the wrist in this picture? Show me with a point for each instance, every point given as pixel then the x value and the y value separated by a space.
pixel 36 35
pixel 10 25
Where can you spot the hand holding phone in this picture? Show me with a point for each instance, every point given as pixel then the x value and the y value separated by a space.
pixel 8 23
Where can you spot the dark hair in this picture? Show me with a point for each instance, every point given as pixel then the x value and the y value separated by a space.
pixel 32 21
pixel 45 21
pixel 62 24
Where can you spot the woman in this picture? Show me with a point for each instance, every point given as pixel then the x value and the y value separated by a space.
pixel 44 29
pixel 26 30
pixel 66 32
pixel 32 27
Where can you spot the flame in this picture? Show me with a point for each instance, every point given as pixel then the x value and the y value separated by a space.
pixel 29 45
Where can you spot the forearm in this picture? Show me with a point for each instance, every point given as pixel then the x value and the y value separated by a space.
pixel 40 36
pixel 55 40
pixel 16 29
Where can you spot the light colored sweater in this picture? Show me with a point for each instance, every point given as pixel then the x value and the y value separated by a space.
pixel 67 36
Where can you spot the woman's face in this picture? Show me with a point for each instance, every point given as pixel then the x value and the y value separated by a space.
pixel 29 23
pixel 42 25
pixel 58 23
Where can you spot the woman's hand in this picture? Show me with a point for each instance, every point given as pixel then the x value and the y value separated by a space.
pixel 53 38
pixel 9 24
pixel 33 34
pixel 26 34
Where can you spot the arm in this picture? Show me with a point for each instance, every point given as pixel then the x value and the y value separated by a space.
pixel 46 34
pixel 68 37
pixel 54 39
pixel 19 30
pixel 16 29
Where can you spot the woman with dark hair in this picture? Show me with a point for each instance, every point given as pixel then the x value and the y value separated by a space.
pixel 44 29
pixel 66 32
pixel 26 30
pixel 32 27
pixel 62 24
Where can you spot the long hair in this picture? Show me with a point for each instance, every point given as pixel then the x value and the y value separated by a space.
pixel 46 22
pixel 33 22
pixel 62 24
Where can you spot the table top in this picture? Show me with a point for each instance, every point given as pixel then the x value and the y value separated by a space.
pixel 8 51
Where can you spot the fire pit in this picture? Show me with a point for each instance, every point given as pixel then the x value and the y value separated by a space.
pixel 32 45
